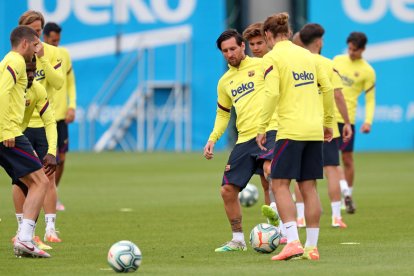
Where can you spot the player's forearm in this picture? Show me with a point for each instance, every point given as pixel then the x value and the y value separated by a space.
pixel 54 74
pixel 220 125
pixel 51 131
pixel 4 114
pixel 270 102
pixel 328 107
pixel 341 105
pixel 369 106
pixel 71 89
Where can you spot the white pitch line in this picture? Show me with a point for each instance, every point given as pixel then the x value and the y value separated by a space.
pixel 349 243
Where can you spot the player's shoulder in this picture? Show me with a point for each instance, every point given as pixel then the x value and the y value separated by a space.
pixel 14 62
pixel 63 50
pixel 340 58
pixel 368 66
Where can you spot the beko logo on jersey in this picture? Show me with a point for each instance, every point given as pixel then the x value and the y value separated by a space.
pixel 40 74
pixel 304 76
pixel 244 87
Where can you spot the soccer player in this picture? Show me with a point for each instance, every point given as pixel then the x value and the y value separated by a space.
pixel 253 35
pixel 64 100
pixel 242 87
pixel 16 153
pixel 36 98
pixel 311 37
pixel 357 77
pixel 49 75
pixel 258 46
pixel 292 76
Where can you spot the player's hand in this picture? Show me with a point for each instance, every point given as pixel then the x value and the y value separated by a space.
pixel 208 150
pixel 9 143
pixel 327 134
pixel 70 116
pixel 366 128
pixel 347 132
pixel 40 51
pixel 261 140
pixel 49 164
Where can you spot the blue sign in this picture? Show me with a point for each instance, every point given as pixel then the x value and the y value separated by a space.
pixel 389 25
pixel 151 48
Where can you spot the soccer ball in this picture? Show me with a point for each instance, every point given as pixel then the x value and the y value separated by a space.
pixel 124 256
pixel 265 238
pixel 249 196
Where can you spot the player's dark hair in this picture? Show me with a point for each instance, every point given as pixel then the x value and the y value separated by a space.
pixel 253 30
pixel 51 27
pixel 22 32
pixel 227 35
pixel 277 24
pixel 310 32
pixel 31 16
pixel 358 39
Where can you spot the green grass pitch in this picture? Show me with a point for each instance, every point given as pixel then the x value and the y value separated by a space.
pixel 169 205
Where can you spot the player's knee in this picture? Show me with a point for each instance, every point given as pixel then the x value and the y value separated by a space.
pixel 227 192
pixel 348 160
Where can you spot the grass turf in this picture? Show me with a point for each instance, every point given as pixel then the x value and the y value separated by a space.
pixel 169 205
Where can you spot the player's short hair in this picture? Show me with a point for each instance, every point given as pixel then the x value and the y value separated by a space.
pixel 359 39
pixel 227 35
pixel 22 32
pixel 51 27
pixel 253 30
pixel 310 32
pixel 31 16
pixel 277 24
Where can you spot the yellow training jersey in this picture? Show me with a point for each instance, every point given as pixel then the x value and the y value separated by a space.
pixel 242 88
pixel 292 75
pixel 357 76
pixel 336 82
pixel 36 99
pixel 13 82
pixel 49 74
pixel 65 97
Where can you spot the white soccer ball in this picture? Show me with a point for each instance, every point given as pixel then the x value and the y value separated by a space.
pixel 124 256
pixel 249 196
pixel 265 238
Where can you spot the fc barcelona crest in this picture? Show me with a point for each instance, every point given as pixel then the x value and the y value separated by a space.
pixel 250 73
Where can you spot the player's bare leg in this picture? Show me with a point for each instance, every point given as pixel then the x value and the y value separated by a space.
pixel 349 171
pixel 287 212
pixel 59 172
pixel 230 194
pixel 37 182
pixel 300 208
pixel 334 193
pixel 49 207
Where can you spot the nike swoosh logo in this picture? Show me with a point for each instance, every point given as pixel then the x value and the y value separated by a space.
pixel 288 227
pixel 30 248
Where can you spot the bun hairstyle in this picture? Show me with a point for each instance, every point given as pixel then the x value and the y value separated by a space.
pixel 277 24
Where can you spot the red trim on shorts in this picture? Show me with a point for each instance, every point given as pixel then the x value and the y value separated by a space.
pixel 277 155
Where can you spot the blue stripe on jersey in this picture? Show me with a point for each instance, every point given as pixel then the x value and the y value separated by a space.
pixel 303 83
